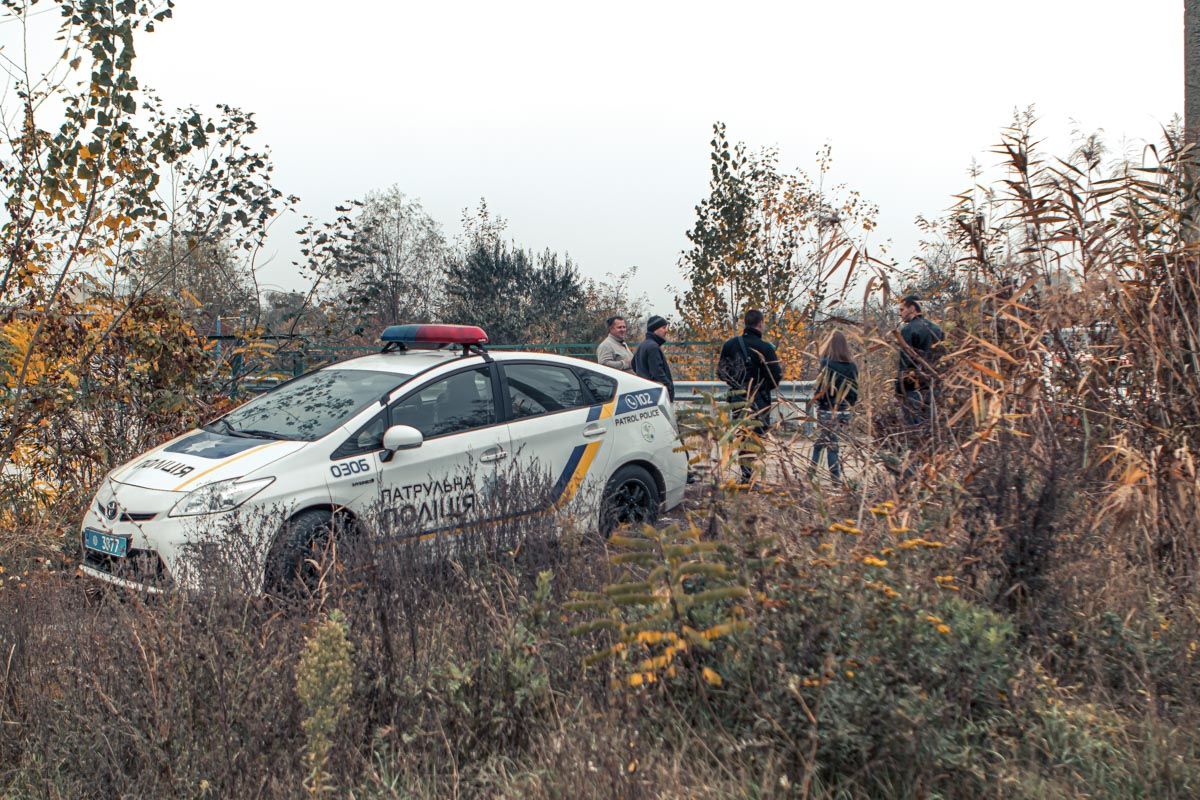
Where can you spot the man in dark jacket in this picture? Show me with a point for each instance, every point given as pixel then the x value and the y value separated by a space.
pixel 649 361
pixel 750 365
pixel 920 344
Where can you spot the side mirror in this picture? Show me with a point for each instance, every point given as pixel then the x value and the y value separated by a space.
pixel 400 437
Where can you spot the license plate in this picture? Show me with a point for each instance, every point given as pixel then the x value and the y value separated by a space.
pixel 106 543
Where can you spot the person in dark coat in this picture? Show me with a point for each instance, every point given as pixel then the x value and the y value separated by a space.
pixel 751 368
pixel 920 343
pixel 750 365
pixel 836 393
pixel 649 362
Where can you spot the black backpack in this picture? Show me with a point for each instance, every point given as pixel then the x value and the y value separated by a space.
pixel 737 374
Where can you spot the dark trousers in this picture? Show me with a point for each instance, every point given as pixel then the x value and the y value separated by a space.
pixel 831 426
pixel 758 413
pixel 915 404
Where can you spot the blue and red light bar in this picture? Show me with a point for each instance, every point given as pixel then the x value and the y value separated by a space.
pixel 433 336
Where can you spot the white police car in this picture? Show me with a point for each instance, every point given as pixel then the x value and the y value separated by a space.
pixel 416 438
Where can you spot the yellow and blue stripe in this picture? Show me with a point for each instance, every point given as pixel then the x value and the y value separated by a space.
pixel 581 459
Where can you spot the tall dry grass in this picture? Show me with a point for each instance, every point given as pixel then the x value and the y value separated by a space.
pixel 999 605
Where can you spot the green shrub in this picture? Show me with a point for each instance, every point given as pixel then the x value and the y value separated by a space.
pixel 324 683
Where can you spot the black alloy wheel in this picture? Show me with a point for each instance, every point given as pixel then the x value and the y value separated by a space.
pixel 299 553
pixel 630 498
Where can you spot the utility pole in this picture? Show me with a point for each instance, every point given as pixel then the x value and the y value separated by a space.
pixel 1191 70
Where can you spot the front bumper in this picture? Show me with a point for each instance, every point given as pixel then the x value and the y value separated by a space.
pixel 181 553
pixel 141 569
pixel 162 554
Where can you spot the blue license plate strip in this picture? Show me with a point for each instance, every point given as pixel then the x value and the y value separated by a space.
pixel 107 543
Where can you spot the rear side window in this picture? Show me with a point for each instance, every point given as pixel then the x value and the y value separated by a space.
pixel 543 389
pixel 602 387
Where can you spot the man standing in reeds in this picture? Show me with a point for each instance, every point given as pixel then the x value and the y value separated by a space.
pixel 919 341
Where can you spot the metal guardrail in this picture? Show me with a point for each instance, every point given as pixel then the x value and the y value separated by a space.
pixel 695 391
pixel 793 399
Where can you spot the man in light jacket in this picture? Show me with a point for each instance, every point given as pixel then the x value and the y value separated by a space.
pixel 649 361
pixel 613 352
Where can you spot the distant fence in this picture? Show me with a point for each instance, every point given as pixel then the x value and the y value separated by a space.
pixel 295 355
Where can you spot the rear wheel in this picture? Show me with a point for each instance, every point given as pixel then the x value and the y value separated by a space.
pixel 630 498
pixel 300 552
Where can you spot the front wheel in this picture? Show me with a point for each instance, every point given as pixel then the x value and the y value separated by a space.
pixel 295 560
pixel 630 498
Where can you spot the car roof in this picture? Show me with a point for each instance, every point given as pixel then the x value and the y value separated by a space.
pixel 401 362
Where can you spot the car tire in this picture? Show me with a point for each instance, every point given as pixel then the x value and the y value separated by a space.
pixel 631 497
pixel 302 539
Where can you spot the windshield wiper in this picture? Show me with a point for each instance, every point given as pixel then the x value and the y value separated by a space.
pixel 259 434
pixel 222 426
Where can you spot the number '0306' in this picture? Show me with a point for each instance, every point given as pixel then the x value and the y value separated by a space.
pixel 348 468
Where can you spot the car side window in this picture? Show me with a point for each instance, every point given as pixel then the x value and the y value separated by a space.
pixel 459 402
pixel 542 389
pixel 602 387
pixel 368 439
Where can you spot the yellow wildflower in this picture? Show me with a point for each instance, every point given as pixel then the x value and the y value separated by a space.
pixel 642 678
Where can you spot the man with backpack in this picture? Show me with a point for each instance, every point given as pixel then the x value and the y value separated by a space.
pixel 920 345
pixel 751 368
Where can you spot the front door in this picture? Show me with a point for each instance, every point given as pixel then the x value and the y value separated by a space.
pixel 447 482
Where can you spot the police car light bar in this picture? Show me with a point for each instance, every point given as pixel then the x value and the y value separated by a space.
pixel 403 337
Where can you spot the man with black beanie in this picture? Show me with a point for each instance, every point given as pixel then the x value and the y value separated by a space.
pixel 649 361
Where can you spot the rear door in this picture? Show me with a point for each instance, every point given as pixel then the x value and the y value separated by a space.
pixel 558 432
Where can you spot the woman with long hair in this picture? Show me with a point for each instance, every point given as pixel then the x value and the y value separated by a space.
pixel 836 393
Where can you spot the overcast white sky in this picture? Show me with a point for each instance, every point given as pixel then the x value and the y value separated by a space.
pixel 587 125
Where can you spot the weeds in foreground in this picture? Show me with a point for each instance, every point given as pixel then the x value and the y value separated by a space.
pixel 1008 613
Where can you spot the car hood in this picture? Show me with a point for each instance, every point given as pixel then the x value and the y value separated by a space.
pixel 200 458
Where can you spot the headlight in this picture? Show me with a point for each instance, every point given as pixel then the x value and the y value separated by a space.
pixel 219 496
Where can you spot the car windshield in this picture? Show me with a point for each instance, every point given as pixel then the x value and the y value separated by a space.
pixel 308 407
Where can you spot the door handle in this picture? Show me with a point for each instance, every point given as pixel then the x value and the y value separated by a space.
pixel 495 454
pixel 595 429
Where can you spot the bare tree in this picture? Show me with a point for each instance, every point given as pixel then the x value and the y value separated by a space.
pixel 393 267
